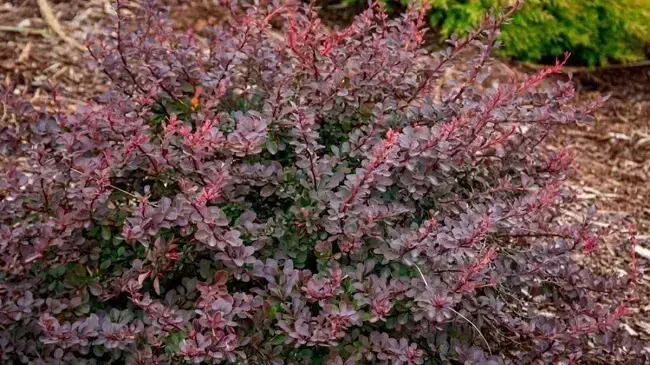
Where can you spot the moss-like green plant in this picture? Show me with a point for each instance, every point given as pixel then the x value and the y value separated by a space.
pixel 594 31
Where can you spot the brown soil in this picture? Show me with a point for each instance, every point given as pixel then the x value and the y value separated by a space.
pixel 613 152
pixel 613 171
pixel 33 60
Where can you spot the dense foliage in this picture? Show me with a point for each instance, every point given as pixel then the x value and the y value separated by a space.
pixel 315 197
pixel 594 31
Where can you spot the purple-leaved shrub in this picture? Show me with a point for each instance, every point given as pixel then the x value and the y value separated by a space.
pixel 311 197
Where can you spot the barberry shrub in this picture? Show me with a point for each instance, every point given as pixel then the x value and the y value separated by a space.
pixel 274 192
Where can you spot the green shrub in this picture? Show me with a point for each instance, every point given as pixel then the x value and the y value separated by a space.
pixel 594 31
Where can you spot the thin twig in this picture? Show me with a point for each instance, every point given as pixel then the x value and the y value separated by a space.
pixel 22 30
pixel 476 328
pixel 421 275
pixel 53 23
pixel 642 251
pixel 109 185
pixel 460 315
